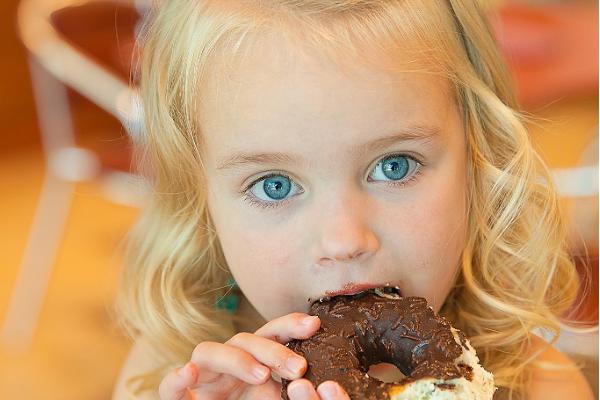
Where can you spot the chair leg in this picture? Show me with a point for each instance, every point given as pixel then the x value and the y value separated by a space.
pixel 46 233
pixel 37 263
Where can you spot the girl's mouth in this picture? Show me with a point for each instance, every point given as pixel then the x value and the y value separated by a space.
pixel 351 289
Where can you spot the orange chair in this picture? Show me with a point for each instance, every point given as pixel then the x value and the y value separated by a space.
pixel 71 44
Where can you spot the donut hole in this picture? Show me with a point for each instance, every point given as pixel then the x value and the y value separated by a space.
pixel 385 372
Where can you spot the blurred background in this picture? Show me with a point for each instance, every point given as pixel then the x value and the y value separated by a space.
pixel 68 194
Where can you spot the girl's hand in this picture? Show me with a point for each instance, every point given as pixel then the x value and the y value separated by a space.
pixel 241 367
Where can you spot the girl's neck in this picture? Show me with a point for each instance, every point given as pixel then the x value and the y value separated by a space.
pixel 247 318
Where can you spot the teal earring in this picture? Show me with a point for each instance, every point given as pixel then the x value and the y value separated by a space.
pixel 229 302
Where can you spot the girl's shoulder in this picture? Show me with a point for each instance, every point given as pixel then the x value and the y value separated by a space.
pixel 561 380
pixel 142 358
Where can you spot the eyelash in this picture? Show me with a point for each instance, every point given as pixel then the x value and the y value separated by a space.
pixel 277 204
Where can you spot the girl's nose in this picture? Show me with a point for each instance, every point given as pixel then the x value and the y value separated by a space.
pixel 345 235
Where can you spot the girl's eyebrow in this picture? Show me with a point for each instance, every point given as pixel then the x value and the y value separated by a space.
pixel 239 160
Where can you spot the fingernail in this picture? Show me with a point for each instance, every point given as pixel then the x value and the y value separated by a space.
pixel 308 320
pixel 261 372
pixel 298 391
pixel 184 372
pixel 294 364
pixel 328 391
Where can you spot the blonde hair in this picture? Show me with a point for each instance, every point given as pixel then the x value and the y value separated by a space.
pixel 516 273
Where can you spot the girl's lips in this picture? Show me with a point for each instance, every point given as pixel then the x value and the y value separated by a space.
pixel 351 288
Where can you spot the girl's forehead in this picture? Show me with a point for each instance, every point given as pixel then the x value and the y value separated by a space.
pixel 271 94
pixel 267 76
pixel 271 59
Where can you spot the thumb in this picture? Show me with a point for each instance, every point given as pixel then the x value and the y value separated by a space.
pixel 174 386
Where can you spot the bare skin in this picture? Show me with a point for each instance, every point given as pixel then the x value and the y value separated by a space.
pixel 241 367
pixel 350 222
pixel 343 220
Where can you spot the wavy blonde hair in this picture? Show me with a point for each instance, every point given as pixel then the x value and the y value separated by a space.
pixel 516 273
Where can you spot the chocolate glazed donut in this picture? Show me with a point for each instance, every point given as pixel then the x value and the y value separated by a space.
pixel 368 328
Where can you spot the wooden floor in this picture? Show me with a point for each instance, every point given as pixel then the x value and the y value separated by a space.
pixel 77 350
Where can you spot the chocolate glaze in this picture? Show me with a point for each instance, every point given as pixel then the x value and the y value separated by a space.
pixel 364 329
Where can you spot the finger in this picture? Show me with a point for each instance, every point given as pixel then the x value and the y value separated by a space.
pixel 175 384
pixel 302 389
pixel 330 390
pixel 274 355
pixel 214 358
pixel 290 326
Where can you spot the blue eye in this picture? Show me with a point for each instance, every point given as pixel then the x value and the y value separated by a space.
pixel 277 187
pixel 273 190
pixel 395 167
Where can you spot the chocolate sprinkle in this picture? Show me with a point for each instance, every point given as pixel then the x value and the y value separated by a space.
pixel 364 329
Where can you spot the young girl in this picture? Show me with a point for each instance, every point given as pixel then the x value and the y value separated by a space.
pixel 310 146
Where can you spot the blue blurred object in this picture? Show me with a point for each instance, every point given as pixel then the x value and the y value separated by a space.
pixel 229 302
